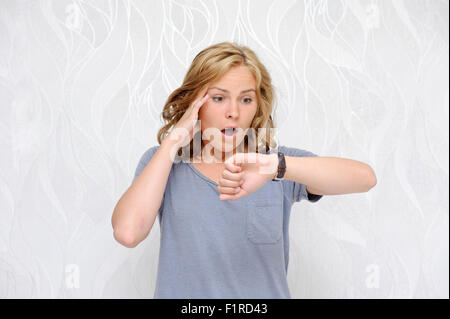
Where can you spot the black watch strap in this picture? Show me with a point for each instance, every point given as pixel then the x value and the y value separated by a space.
pixel 281 167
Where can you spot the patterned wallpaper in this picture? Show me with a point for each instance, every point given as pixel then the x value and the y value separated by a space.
pixel 82 85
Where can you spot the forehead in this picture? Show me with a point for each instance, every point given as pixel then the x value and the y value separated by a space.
pixel 235 80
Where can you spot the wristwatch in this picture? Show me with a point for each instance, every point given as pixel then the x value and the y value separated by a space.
pixel 281 167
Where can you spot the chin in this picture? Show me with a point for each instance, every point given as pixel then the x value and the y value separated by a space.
pixel 228 146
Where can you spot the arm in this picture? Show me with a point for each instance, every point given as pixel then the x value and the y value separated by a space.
pixel 330 175
pixel 136 210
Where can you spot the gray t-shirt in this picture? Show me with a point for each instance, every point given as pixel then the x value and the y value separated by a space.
pixel 212 248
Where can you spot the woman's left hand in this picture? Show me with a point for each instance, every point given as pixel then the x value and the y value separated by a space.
pixel 249 170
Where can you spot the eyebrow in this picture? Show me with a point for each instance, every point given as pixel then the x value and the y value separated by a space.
pixel 248 90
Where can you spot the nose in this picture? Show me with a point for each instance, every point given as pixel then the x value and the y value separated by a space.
pixel 232 111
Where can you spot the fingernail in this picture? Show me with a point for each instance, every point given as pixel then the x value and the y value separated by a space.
pixel 241 182
pixel 238 189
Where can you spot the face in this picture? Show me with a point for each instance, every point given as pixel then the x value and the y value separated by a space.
pixel 232 103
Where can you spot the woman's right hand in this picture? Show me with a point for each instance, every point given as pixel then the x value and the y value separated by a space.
pixel 187 126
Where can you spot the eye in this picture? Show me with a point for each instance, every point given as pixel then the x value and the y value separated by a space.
pixel 247 98
pixel 216 97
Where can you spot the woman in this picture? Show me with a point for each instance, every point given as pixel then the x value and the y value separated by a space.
pixel 224 212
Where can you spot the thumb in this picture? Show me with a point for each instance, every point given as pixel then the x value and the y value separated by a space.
pixel 196 126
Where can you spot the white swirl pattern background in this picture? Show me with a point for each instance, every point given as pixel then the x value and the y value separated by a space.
pixel 82 85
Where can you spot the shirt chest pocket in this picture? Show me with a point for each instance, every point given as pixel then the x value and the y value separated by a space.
pixel 264 221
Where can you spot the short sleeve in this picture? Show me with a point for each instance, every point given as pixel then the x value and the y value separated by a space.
pixel 144 160
pixel 293 190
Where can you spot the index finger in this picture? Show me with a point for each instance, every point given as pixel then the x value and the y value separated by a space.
pixel 202 93
pixel 201 100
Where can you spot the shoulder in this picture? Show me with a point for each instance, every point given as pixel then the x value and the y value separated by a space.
pixel 146 157
pixel 144 160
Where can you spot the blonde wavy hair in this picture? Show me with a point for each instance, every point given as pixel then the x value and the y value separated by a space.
pixel 208 66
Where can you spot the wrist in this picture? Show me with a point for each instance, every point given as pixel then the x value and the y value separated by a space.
pixel 171 145
pixel 273 159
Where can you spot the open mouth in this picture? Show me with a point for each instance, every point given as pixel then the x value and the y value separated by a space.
pixel 229 132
